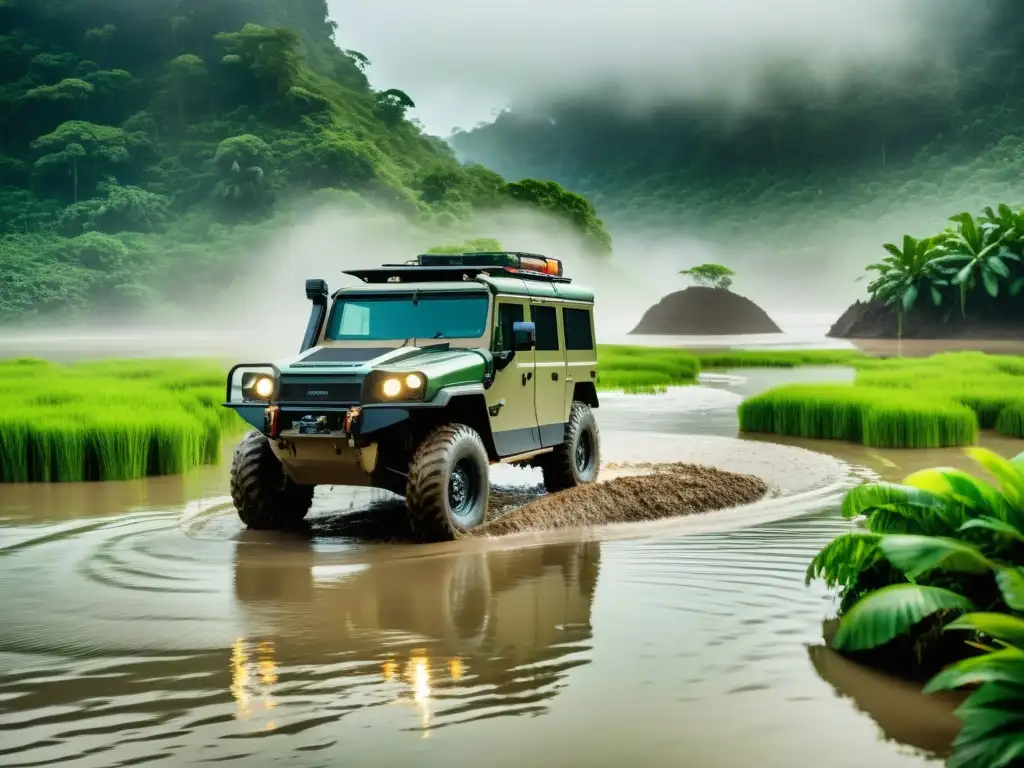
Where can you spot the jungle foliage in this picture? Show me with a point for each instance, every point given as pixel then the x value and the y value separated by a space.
pixel 859 154
pixel 144 145
pixel 938 569
pixel 976 259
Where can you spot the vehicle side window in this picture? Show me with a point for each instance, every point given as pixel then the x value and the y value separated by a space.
pixel 578 333
pixel 507 315
pixel 546 321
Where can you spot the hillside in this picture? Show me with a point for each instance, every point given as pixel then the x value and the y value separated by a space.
pixel 951 138
pixel 144 145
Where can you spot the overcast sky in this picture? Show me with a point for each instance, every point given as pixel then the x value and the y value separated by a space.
pixel 462 61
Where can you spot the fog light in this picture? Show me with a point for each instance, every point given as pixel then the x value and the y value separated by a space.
pixel 413 381
pixel 391 387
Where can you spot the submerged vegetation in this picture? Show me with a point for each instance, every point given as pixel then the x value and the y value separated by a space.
pixel 111 420
pixel 930 402
pixel 147 147
pixel 934 582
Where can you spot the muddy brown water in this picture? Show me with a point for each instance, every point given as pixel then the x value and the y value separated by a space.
pixel 141 623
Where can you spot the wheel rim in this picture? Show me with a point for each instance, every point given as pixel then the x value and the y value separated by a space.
pixel 584 452
pixel 462 487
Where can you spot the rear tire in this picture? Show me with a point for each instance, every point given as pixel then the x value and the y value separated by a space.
pixel 265 498
pixel 577 460
pixel 449 484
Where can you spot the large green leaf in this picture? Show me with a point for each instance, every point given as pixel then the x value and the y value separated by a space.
pixel 995 263
pixel 991 281
pixel 1002 666
pixel 917 555
pixel 1001 626
pixel 843 559
pixel 891 611
pixel 1011 584
pixel 958 485
pixel 1009 476
pixel 909 297
pixel 863 499
pixel 994 525
pixel 992 735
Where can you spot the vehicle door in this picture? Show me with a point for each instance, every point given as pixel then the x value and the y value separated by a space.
pixel 580 347
pixel 511 398
pixel 550 373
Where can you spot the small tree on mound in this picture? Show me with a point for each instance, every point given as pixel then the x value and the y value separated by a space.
pixel 710 276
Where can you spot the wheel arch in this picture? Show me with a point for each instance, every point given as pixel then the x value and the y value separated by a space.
pixel 469 408
pixel 586 392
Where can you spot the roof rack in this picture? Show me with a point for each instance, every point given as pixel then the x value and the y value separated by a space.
pixel 432 267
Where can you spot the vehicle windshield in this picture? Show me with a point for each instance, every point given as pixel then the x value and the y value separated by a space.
pixel 408 315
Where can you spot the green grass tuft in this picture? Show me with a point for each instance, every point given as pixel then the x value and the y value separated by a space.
pixel 110 420
pixel 644 370
pixel 901 403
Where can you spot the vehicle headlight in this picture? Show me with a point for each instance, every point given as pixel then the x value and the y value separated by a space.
pixel 395 387
pixel 257 386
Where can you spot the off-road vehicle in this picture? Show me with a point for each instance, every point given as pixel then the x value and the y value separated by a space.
pixel 414 381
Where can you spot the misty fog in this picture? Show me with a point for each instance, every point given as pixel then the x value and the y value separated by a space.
pixel 461 61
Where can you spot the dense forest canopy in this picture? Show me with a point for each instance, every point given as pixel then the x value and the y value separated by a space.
pixel 143 143
pixel 951 136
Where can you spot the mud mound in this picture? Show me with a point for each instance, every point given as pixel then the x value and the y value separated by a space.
pixel 873 320
pixel 665 490
pixel 699 311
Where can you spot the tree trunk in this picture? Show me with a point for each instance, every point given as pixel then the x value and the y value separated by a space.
pixel 74 176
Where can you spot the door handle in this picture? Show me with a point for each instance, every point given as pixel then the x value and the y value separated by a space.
pixel 568 378
pixel 527 376
pixel 554 376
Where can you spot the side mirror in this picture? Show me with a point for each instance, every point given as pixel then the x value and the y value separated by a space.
pixel 524 336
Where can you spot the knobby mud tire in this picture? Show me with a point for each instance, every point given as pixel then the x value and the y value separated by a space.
pixel 428 491
pixel 265 498
pixel 560 468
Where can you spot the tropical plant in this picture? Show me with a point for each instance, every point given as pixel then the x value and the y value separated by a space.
pixel 943 551
pixel 710 276
pixel 904 273
pixel 972 251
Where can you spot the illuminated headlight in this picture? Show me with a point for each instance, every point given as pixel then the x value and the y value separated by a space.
pixel 257 386
pixel 399 386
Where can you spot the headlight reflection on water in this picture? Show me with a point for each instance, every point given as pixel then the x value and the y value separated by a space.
pixel 253 693
pixel 418 677
pixel 254 675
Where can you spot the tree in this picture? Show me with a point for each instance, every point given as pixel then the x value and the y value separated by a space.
pixel 552 197
pixel 71 89
pixel 240 162
pixel 187 75
pixel 970 252
pixel 270 55
pixel 360 60
pixel 710 276
pixel 76 142
pixel 392 105
pixel 904 273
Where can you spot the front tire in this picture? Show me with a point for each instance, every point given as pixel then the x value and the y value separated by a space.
pixel 449 484
pixel 265 498
pixel 577 460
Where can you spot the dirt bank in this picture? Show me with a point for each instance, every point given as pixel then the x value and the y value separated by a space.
pixel 699 311
pixel 872 320
pixel 658 491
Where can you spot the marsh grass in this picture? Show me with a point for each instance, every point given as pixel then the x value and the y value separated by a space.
pixel 933 402
pixel 644 370
pixel 112 420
